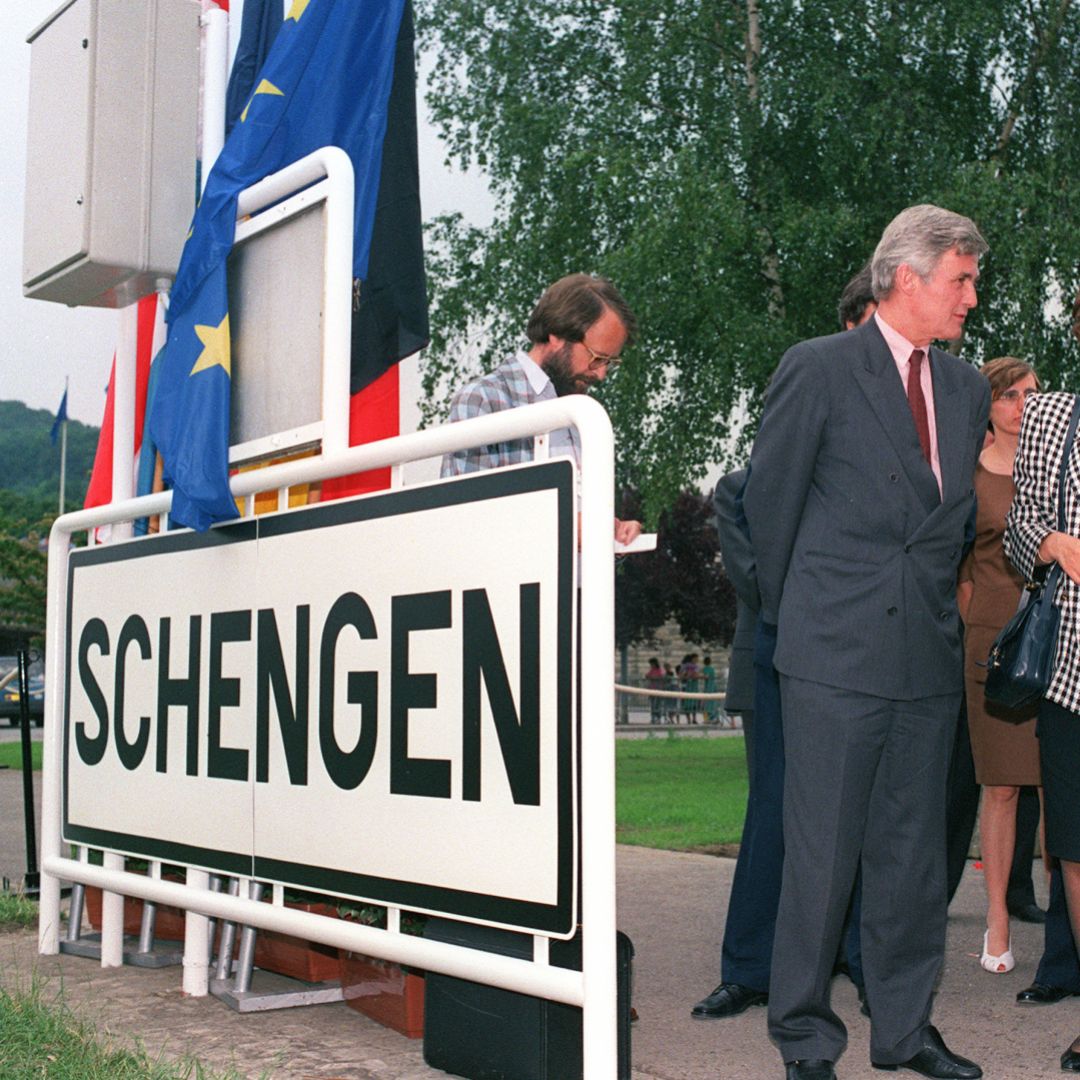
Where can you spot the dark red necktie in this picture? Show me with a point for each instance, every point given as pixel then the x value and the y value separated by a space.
pixel 918 402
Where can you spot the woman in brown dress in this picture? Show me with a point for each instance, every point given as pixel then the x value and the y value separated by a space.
pixel 1002 740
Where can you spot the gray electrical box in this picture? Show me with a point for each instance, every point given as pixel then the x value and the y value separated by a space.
pixel 111 150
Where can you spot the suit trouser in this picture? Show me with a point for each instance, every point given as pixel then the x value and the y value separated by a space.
pixel 1059 965
pixel 755 890
pixel 864 786
pixel 746 718
pixel 961 804
pixel 961 812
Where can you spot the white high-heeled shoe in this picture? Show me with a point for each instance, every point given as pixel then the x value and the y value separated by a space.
pixel 997 965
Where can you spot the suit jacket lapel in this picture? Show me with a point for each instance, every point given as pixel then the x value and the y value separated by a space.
pixel 951 415
pixel 880 382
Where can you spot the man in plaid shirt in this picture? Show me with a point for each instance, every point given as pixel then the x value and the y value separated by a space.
pixel 577 332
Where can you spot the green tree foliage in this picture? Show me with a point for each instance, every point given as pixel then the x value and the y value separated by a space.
pixel 682 579
pixel 29 489
pixel 730 166
pixel 23 572
pixel 30 464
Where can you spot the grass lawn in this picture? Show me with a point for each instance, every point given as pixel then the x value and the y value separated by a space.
pixel 682 793
pixel 11 754
pixel 41 1037
pixel 16 911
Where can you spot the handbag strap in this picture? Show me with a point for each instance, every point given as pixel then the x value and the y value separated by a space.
pixel 1049 585
pixel 1074 420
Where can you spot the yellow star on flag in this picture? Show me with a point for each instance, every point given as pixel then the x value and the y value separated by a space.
pixel 297 9
pixel 264 87
pixel 216 351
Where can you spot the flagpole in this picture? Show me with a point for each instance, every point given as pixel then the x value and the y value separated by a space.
pixel 63 450
pixel 215 83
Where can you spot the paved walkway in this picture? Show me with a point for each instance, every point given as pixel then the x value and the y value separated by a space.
pixel 671 904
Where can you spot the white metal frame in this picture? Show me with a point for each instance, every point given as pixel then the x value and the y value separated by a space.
pixel 330 174
pixel 594 987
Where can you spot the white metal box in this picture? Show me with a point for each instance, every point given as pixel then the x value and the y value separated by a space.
pixel 111 150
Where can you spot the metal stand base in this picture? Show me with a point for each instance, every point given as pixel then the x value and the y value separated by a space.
pixel 275 992
pixel 167 954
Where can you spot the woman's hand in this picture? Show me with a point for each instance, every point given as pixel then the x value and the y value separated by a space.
pixel 1064 550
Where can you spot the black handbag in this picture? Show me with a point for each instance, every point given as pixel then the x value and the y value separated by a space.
pixel 1023 657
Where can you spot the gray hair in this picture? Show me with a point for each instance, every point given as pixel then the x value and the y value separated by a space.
pixel 919 236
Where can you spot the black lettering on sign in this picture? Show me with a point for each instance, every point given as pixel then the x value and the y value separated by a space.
pixel 181 691
pixel 271 676
pixel 411 775
pixel 130 753
pixel 226 762
pixel 519 735
pixel 92 749
pixel 347 768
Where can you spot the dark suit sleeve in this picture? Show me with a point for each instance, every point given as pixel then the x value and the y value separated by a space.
pixel 735 547
pixel 782 466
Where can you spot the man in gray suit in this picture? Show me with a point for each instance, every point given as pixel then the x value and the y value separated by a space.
pixel 859 489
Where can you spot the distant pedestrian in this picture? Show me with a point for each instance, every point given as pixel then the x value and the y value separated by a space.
pixel 708 675
pixel 671 682
pixel 690 678
pixel 655 680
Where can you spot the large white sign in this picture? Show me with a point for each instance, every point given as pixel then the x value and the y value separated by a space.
pixel 369 698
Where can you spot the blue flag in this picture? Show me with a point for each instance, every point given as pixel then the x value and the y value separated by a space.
pixel 61 416
pixel 259 27
pixel 326 82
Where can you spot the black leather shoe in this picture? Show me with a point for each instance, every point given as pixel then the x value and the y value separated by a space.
pixel 811 1069
pixel 1070 1061
pixel 728 999
pixel 936 1060
pixel 1037 994
pixel 1031 913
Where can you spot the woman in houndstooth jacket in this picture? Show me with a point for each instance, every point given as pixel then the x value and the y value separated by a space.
pixel 1033 541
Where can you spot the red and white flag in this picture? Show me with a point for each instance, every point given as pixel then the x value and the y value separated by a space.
pixel 149 336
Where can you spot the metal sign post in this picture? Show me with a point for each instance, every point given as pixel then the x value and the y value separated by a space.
pixel 32 879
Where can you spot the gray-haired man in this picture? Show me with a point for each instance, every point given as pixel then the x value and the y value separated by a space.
pixel 859 490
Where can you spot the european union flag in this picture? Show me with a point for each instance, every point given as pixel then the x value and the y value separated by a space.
pixel 61 416
pixel 326 82
pixel 260 23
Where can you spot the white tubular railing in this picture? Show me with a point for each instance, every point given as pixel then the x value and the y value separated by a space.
pixel 594 988
pixel 124 378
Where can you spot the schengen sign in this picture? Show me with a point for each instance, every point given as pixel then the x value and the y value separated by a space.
pixel 369 698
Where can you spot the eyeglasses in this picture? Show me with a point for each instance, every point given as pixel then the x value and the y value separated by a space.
pixel 597 360
pixel 1013 396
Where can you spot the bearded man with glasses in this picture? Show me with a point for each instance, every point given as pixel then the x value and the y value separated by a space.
pixel 576 333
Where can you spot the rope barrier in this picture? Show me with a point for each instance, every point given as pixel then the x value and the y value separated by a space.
pixel 693 695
